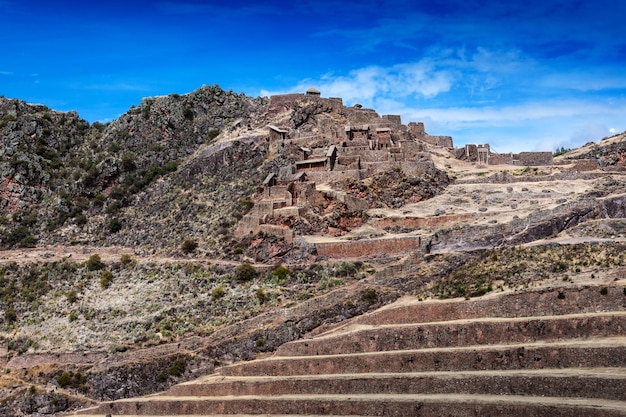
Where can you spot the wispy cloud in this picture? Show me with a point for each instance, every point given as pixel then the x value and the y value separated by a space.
pixel 420 79
pixel 6 73
pixel 112 87
pixel 532 110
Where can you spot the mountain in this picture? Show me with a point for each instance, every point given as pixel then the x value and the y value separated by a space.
pixel 212 227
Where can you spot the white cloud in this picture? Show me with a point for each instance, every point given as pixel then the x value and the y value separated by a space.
pixel 370 84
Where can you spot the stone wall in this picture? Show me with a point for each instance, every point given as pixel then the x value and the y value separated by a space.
pixel 322 177
pixel 443 141
pixel 278 231
pixel 585 165
pixel 368 248
pixel 533 158
pixel 501 159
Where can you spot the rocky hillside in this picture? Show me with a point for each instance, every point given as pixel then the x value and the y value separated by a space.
pixel 64 180
pixel 149 250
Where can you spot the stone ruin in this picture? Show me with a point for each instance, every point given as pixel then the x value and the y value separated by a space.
pixel 328 142
pixel 483 155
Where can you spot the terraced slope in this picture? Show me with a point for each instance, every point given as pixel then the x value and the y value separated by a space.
pixel 557 352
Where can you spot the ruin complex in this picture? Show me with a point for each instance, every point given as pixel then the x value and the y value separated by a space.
pixel 322 141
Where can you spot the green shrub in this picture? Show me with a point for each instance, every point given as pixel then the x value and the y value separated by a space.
pixel 73 316
pixel 127 260
pixel 245 272
pixel 189 246
pixel 106 278
pixel 29 241
pixel 10 315
pixel 369 295
pixel 281 273
pixel 71 296
pixel 213 133
pixel 128 162
pixel 64 379
pixel 561 295
pixel 261 296
pixel 177 368
pixel 218 292
pixel 115 225
pixel 604 290
pixel 94 263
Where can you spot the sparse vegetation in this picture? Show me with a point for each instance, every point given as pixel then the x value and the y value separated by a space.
pixel 218 292
pixel 94 263
pixel 106 279
pixel 189 246
pixel 245 272
pixel 369 295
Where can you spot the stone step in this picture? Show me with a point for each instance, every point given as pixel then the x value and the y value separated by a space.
pixel 368 405
pixel 608 383
pixel 600 352
pixel 376 338
pixel 522 304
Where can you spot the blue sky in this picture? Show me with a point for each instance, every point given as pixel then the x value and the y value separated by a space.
pixel 520 75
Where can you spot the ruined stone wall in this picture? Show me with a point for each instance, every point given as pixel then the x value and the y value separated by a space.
pixel 303 193
pixel 416 129
pixel 322 177
pixel 585 165
pixel 282 102
pixel 278 231
pixel 374 168
pixel 393 118
pixel 368 248
pixel 371 156
pixel 410 147
pixel 501 159
pixel 361 116
pixel 279 192
pixel 288 211
pixel 248 224
pixel 443 141
pixel 533 158
pixel 347 163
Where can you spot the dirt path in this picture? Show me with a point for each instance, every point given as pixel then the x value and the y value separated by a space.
pixel 107 254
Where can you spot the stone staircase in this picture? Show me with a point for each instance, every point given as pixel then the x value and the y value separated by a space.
pixel 554 352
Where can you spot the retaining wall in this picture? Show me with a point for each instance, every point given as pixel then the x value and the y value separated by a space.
pixel 369 248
